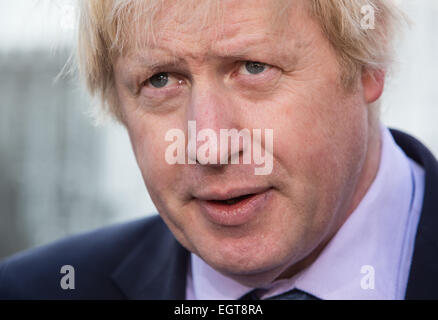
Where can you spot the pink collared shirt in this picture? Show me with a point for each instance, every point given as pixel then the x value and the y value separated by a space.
pixel 368 258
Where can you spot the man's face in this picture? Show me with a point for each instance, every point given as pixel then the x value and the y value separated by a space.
pixel 207 74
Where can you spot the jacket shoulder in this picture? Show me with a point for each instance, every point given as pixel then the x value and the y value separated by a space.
pixel 36 273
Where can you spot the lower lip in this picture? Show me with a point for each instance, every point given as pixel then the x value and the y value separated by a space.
pixel 235 214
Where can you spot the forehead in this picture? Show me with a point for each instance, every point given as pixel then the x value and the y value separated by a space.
pixel 218 27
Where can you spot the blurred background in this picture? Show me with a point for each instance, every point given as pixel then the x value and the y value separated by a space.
pixel 60 174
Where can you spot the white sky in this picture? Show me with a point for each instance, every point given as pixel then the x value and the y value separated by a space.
pixel 26 24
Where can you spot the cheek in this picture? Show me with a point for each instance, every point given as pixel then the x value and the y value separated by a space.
pixel 320 145
pixel 320 125
pixel 326 143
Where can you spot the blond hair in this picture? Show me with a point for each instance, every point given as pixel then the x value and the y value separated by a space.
pixel 105 28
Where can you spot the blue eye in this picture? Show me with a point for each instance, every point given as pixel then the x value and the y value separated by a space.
pixel 159 80
pixel 254 67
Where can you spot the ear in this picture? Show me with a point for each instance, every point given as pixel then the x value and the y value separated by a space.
pixel 373 81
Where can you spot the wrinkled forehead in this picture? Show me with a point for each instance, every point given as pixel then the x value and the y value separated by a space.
pixel 149 24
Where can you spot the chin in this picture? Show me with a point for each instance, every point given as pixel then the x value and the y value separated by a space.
pixel 243 262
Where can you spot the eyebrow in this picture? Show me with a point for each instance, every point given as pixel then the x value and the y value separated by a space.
pixel 150 62
pixel 237 49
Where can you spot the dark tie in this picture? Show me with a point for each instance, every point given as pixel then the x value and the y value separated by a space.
pixel 294 294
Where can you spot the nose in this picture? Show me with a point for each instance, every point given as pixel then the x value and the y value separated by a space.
pixel 211 111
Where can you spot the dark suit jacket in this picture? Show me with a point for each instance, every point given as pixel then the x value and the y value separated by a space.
pixel 142 259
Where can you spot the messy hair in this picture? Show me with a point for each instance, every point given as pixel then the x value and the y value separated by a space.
pixel 106 27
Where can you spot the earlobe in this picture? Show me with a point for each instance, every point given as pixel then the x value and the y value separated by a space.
pixel 373 82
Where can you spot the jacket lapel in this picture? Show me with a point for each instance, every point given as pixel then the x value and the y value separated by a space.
pixel 155 269
pixel 423 277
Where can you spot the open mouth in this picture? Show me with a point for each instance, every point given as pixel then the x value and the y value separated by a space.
pixel 236 209
pixel 232 201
